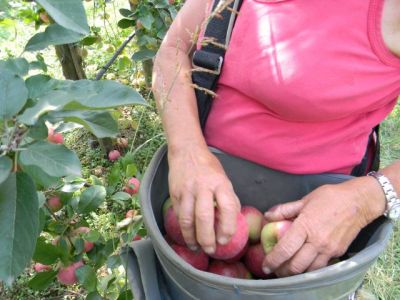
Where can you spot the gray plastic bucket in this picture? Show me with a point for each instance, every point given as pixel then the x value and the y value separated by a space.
pixel 250 182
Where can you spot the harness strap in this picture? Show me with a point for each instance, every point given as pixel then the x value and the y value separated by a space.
pixel 207 61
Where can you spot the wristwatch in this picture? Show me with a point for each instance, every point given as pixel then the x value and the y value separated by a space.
pixel 392 200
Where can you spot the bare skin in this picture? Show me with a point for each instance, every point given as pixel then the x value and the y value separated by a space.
pixel 197 179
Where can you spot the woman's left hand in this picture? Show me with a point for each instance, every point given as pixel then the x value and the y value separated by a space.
pixel 326 221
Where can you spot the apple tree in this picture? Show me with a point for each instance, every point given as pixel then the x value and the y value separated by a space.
pixel 43 197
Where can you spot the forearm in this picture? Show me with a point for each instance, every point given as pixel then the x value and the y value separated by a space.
pixel 176 100
pixel 372 196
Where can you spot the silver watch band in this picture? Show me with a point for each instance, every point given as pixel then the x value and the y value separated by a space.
pixel 392 200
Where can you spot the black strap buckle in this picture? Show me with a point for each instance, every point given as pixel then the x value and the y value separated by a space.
pixel 207 61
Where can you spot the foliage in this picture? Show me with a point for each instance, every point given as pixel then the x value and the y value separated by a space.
pixel 35 169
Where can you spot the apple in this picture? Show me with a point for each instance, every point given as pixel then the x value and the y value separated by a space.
pixel 139 24
pixel 272 232
pixel 122 143
pixel 114 155
pixel 253 260
pixel 44 17
pixel 223 268
pixel 171 2
pixel 167 204
pixel 55 137
pixel 137 238
pixel 38 267
pixel 79 232
pixel 198 259
pixel 172 228
pixel 130 213
pixel 239 256
pixel 54 203
pixel 244 272
pixel 132 187
pixel 254 219
pixel 236 243
pixel 66 275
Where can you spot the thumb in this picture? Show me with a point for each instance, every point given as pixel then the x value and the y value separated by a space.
pixel 284 211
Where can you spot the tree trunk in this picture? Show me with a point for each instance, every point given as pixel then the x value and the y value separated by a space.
pixel 71 61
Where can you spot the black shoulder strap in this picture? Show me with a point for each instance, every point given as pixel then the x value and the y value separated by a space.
pixel 207 61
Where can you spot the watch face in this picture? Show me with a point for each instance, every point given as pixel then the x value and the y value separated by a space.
pixel 395 212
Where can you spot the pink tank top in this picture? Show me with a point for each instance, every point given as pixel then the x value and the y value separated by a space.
pixel 303 84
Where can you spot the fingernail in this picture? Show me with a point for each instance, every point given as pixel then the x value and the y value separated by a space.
pixel 222 240
pixel 193 247
pixel 209 250
pixel 267 270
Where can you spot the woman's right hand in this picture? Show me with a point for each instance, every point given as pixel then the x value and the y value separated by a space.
pixel 197 184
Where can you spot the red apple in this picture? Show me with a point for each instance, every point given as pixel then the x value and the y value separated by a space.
pixel 38 267
pixel 55 137
pixel 239 256
pixel 132 187
pixel 198 259
pixel 172 228
pixel 171 2
pixel 54 203
pixel 137 238
pixel 272 233
pixel 114 155
pixel 254 219
pixel 234 270
pixel 244 273
pixel 66 275
pixel 253 260
pixel 236 243
pixel 80 231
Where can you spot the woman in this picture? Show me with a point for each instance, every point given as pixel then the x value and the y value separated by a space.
pixel 303 84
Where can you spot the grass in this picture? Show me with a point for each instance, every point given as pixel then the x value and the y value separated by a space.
pixel 383 279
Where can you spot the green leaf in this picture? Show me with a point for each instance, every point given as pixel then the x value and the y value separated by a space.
pixel 18 66
pixel 37 85
pixel 131 170
pixel 46 253
pixel 93 296
pixel 13 95
pixel 114 261
pixel 55 160
pixel 19 212
pixel 121 196
pixel 125 295
pixel 125 12
pixel 91 199
pixel 147 20
pixel 69 14
pixel 92 236
pixel 87 277
pixel 5 168
pixel 89 40
pixel 42 280
pixel 144 54
pixel 53 35
pixel 126 23
pixel 39 131
pixel 100 123
pixel 80 95
pixel 41 179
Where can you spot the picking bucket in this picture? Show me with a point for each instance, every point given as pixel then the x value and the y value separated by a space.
pixel 252 184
